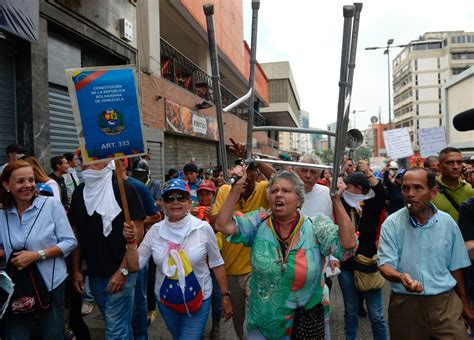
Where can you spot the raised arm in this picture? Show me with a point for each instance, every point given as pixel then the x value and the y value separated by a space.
pixel 347 236
pixel 224 222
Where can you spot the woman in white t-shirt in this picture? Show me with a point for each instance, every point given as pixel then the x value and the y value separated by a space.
pixel 184 293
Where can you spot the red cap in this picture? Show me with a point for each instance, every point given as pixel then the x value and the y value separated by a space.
pixel 206 184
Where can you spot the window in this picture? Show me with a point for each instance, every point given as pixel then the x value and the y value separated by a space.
pixel 458 70
pixel 463 55
pixel 416 79
pixel 416 64
pixel 439 63
pixel 439 108
pixel 439 78
pixel 416 94
pixel 439 93
pixel 417 110
pixel 417 124
pixel 440 122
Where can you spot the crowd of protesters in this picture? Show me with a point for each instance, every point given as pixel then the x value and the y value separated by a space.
pixel 263 252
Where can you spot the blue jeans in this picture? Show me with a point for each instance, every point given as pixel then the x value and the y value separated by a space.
pixel 116 309
pixel 373 300
pixel 51 321
pixel 216 299
pixel 184 327
pixel 87 297
pixel 140 309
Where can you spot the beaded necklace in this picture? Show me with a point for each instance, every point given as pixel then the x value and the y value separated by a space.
pixel 285 244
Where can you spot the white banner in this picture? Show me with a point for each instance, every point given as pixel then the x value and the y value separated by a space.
pixel 397 143
pixel 199 124
pixel 432 141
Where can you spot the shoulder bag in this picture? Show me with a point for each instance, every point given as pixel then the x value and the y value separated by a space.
pixel 30 293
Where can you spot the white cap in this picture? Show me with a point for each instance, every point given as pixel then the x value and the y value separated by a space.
pixel 393 165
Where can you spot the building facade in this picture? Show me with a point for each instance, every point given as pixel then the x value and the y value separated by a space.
pixel 457 101
pixel 419 72
pixel 284 103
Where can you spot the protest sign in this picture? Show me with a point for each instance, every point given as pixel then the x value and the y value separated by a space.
pixel 106 112
pixel 397 143
pixel 432 141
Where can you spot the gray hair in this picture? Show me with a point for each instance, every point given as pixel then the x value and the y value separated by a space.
pixel 310 158
pixel 291 177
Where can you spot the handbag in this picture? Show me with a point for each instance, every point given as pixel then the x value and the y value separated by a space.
pixel 366 274
pixel 308 323
pixel 30 293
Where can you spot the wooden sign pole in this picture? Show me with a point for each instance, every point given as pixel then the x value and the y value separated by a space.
pixel 119 173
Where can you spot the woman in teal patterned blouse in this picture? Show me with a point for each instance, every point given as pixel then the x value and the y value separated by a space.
pixel 287 253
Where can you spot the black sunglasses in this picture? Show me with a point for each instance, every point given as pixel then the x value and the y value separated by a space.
pixel 180 197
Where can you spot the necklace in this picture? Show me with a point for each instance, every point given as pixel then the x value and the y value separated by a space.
pixel 283 249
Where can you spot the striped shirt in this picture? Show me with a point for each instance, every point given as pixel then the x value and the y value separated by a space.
pixel 429 253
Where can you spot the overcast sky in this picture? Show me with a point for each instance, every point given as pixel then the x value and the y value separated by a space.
pixel 308 34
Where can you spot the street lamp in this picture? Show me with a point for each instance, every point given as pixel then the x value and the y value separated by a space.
pixel 387 52
pixel 354 114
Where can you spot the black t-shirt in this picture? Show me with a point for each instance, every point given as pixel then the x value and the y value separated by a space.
pixel 103 255
pixel 367 224
pixel 62 188
pixel 466 224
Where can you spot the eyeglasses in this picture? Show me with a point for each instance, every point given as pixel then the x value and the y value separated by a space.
pixel 179 197
pixel 309 171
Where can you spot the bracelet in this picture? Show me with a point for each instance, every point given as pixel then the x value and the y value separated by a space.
pixel 226 294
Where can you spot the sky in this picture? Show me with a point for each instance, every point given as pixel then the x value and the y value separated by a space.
pixel 308 34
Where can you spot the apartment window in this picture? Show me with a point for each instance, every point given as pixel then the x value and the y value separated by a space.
pixel 439 108
pixel 458 70
pixel 416 94
pixel 416 79
pixel 417 110
pixel 439 78
pixel 469 38
pixel 439 93
pixel 453 40
pixel 416 64
pixel 439 64
pixel 462 55
pixel 440 122
pixel 417 124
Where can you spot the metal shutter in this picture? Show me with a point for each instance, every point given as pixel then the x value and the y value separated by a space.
pixel 156 164
pixel 7 100
pixel 62 128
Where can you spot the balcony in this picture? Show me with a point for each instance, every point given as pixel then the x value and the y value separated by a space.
pixel 180 70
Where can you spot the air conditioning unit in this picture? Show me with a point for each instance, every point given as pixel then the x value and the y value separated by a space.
pixel 126 29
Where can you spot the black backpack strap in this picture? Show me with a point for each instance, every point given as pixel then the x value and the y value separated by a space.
pixel 443 191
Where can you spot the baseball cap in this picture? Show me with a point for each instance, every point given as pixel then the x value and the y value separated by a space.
pixel 175 184
pixel 400 173
pixel 357 179
pixel 206 185
pixel 44 189
pixel 190 167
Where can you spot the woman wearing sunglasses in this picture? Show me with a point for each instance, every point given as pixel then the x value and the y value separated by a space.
pixel 181 245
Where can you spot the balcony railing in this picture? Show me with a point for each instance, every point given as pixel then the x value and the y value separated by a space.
pixel 180 70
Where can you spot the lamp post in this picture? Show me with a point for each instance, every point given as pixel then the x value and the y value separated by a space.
pixel 387 52
pixel 354 114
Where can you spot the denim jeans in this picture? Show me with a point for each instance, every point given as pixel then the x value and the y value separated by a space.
pixel 184 327
pixel 51 321
pixel 140 309
pixel 116 309
pixel 373 300
pixel 216 299
pixel 87 297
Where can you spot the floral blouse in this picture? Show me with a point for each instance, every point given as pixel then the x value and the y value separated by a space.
pixel 277 289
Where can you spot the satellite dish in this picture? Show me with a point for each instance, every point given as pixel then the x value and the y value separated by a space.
pixel 374 119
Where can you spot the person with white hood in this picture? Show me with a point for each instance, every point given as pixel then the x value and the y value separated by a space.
pixel 96 216
pixel 364 200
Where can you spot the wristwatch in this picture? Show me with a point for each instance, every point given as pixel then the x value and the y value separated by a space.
pixel 226 293
pixel 41 255
pixel 123 271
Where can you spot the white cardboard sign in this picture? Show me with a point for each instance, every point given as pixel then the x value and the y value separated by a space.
pixel 397 143
pixel 432 141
